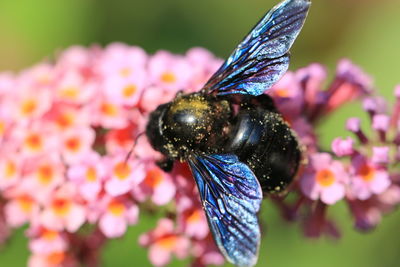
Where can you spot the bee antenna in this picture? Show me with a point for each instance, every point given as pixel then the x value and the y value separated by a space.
pixel 133 146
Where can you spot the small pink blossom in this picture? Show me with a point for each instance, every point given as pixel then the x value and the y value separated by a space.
pixel 88 174
pixel 380 122
pixel 63 211
pixel 21 208
pixel 367 179
pixel 353 124
pixel 117 214
pixel 163 241
pixel 124 174
pixel 325 179
pixel 380 155
pixel 46 241
pixel 77 142
pixel 169 71
pixel 157 184
pixel 343 147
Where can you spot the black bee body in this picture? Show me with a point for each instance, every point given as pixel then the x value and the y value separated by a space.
pixel 252 129
pixel 236 143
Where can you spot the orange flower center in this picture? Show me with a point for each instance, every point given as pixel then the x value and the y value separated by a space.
pixel 91 174
pixel 109 109
pixel 116 208
pixel 69 93
pixel 25 203
pixel 168 242
pixel 61 206
pixel 153 178
pixel 10 169
pixel 367 172
pixel 2 127
pixel 129 90
pixel 73 144
pixel 122 170
pixel 168 77
pixel 282 92
pixel 194 217
pixel 64 120
pixel 49 235
pixel 45 174
pixel 56 258
pixel 34 142
pixel 28 106
pixel 325 177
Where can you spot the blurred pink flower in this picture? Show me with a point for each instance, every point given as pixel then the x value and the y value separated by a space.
pixel 117 214
pixel 163 241
pixel 63 210
pixel 325 179
pixel 123 175
pixel 88 174
pixel 157 185
pixel 73 151
pixel 367 178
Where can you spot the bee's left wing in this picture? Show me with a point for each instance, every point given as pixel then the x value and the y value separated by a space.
pixel 231 197
pixel 262 57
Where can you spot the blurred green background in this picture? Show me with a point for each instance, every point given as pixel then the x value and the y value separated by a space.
pixel 366 31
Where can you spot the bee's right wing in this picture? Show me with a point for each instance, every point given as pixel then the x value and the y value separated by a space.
pixel 262 57
pixel 231 197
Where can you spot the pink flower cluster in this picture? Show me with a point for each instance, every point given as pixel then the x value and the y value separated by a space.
pixel 67 127
pixel 359 168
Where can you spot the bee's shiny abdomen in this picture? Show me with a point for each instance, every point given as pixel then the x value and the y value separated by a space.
pixel 266 143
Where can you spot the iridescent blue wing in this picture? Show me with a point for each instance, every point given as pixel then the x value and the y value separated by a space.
pixel 231 197
pixel 262 57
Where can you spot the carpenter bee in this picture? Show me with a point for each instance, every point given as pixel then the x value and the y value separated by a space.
pixel 235 141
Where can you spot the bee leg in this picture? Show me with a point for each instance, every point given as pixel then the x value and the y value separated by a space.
pixel 165 164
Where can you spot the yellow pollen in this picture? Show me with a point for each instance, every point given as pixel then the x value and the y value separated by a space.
pixel 61 206
pixel 367 172
pixel 168 77
pixel 56 258
pixel 153 178
pixel 45 174
pixel 91 174
pixel 34 142
pixel 10 169
pixel 129 90
pixel 73 144
pixel 116 208
pixel 325 177
pixel 109 109
pixel 168 242
pixel 194 217
pixel 25 203
pixel 69 93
